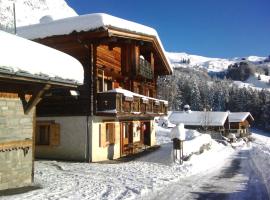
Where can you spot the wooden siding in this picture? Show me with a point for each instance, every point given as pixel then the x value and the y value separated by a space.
pixel 118 58
pixel 109 58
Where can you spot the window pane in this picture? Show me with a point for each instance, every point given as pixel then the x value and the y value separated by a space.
pixel 44 131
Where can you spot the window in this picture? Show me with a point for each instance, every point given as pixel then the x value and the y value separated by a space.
pixel 47 133
pixel 43 136
pixel 110 133
pixel 106 134
pixel 104 82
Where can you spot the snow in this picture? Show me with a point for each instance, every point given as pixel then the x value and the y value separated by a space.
pixel 199 118
pixel 82 23
pixel 255 58
pixel 178 132
pixel 124 180
pixel 239 116
pixel 86 23
pixel 260 153
pixel 130 94
pixel 254 83
pixel 211 64
pixel 196 144
pixel 21 55
pixel 30 11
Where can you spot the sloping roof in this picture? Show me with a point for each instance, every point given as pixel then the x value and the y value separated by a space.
pixel 199 118
pixel 239 116
pixel 21 57
pixel 87 23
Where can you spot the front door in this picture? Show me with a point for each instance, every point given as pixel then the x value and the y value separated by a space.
pixel 127 138
pixel 146 129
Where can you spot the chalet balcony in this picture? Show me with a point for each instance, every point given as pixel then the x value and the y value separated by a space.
pixel 120 102
pixel 145 69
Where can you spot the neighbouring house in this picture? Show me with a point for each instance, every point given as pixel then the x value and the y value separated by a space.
pixel 201 120
pixel 240 123
pixel 113 115
pixel 28 71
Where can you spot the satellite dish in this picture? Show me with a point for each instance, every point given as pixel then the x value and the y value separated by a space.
pixel 46 19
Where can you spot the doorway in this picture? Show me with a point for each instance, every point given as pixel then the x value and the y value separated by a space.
pixel 126 138
pixel 146 132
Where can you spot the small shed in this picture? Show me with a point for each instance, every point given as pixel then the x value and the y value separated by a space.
pixel 28 71
pixel 240 123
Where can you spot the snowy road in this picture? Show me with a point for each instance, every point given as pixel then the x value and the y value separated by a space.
pixel 218 173
pixel 238 179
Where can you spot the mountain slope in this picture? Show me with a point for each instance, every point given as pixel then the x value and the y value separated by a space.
pixel 30 11
pixel 184 60
pixel 210 64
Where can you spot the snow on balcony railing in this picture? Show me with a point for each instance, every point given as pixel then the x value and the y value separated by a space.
pixel 128 93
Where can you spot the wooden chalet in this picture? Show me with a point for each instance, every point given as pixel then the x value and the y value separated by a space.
pixel 240 123
pixel 113 115
pixel 20 92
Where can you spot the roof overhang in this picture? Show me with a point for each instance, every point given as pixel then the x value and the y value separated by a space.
pixel 29 79
pixel 112 31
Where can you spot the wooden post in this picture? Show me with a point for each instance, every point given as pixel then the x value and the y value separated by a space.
pixel 181 151
pixel 103 82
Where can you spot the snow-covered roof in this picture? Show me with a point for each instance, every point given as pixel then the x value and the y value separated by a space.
pixel 87 23
pixel 128 93
pixel 22 57
pixel 239 116
pixel 199 118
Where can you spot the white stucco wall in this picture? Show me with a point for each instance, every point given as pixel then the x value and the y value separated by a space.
pixel 72 139
pixel 102 153
pixel 153 133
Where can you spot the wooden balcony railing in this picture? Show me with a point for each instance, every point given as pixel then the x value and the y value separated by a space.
pixel 145 69
pixel 118 103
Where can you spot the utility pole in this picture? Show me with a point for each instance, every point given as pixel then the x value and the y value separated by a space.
pixel 14 18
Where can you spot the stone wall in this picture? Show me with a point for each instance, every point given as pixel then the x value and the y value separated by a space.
pixel 16 132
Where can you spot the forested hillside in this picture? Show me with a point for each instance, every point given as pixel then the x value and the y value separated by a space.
pixel 199 90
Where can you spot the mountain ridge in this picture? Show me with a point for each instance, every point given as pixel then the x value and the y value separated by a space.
pixel 184 60
pixel 31 11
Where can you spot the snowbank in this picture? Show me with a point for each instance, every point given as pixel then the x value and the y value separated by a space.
pixel 163 135
pixel 260 154
pixel 193 144
pixel 129 180
pixel 196 143
pixel 19 55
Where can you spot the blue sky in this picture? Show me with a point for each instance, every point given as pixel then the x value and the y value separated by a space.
pixel 215 28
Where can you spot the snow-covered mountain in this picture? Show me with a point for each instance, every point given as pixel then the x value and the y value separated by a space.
pixel 210 64
pixel 184 60
pixel 31 11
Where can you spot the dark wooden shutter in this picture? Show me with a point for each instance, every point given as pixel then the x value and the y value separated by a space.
pixel 102 135
pixel 54 134
pixel 112 133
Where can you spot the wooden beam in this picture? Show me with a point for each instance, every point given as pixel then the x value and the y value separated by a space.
pixel 34 100
pixel 13 145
